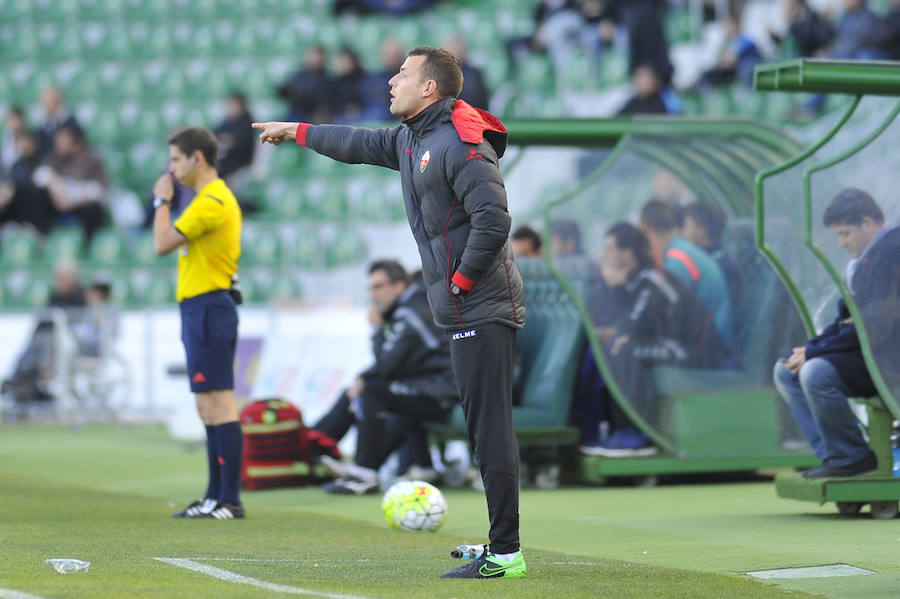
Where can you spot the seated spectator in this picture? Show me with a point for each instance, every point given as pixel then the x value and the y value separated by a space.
pixel 375 89
pixel 885 39
pixel 474 90
pixel 817 379
pixel 737 59
pixel 410 382
pixel 809 31
pixel 35 369
pixel 21 200
pixel 565 239
pixel 75 178
pixel 13 124
pixel 309 90
pixel 853 38
pixel 647 44
pixel 526 243
pixel 237 142
pixel 692 266
pixel 348 101
pixel 557 32
pixel 656 321
pixel 53 115
pixel 704 226
pixel 647 95
pixel 99 325
pixel 385 7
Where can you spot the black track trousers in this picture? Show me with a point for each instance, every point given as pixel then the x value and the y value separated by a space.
pixel 483 360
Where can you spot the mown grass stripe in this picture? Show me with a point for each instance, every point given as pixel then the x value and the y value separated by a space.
pixel 236 578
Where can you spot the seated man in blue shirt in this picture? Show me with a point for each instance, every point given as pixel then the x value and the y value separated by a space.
pixel 817 378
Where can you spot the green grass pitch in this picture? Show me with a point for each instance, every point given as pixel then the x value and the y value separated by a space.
pixel 104 495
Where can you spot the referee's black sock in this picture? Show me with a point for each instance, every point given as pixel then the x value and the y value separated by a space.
pixel 215 472
pixel 230 443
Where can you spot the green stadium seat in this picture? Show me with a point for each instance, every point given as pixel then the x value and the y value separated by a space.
pixel 284 197
pixel 535 73
pixel 260 245
pixel 344 247
pixel 327 201
pixel 63 242
pixel 613 68
pixel 302 248
pixel 19 248
pixel 152 286
pixel 108 248
pixel 27 289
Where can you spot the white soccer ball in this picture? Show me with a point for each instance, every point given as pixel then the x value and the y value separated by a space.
pixel 414 505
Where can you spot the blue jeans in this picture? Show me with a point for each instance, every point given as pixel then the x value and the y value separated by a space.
pixel 817 397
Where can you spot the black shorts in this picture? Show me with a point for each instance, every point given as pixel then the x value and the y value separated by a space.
pixel 209 332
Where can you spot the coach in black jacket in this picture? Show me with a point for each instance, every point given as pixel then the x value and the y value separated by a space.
pixel 411 380
pixel 447 153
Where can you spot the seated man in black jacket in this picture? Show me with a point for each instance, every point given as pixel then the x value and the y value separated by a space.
pixel 410 382
pixel 817 378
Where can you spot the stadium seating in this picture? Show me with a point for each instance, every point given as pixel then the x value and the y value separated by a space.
pixel 547 353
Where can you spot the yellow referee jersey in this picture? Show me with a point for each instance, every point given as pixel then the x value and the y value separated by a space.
pixel 212 225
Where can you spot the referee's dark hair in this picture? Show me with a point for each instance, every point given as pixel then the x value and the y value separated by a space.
pixel 443 67
pixel 197 138
pixel 850 207
pixel 393 269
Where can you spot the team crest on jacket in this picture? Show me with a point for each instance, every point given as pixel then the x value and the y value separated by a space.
pixel 424 162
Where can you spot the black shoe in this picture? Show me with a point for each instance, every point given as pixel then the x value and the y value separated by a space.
pixel 197 509
pixel 224 511
pixel 826 471
pixel 488 566
pixel 352 485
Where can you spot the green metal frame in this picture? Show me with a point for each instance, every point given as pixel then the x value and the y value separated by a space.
pixel 860 78
pixel 673 144
pixel 870 78
pixel 875 372
pixel 761 177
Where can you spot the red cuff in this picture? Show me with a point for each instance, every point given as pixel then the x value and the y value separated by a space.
pixel 301 133
pixel 462 281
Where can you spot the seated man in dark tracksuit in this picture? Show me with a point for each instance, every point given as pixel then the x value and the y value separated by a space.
pixel 410 382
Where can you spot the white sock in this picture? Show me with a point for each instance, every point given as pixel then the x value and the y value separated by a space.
pixel 505 557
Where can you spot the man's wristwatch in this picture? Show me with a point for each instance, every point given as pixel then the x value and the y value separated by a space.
pixel 157 202
pixel 457 290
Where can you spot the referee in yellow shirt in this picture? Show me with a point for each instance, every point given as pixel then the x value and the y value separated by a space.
pixel 208 239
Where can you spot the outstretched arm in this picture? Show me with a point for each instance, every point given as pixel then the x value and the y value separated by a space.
pixel 353 145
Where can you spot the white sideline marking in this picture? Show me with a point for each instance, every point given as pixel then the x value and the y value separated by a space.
pixel 14 594
pixel 269 560
pixel 812 572
pixel 236 578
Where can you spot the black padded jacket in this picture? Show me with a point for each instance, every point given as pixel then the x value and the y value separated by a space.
pixel 447 156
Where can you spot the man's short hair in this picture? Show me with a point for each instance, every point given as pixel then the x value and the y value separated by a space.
pixel 74 130
pixel 629 237
pixel 393 269
pixel 565 230
pixel 526 233
pixel 197 138
pixel 850 207
pixel 661 216
pixel 710 218
pixel 443 67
